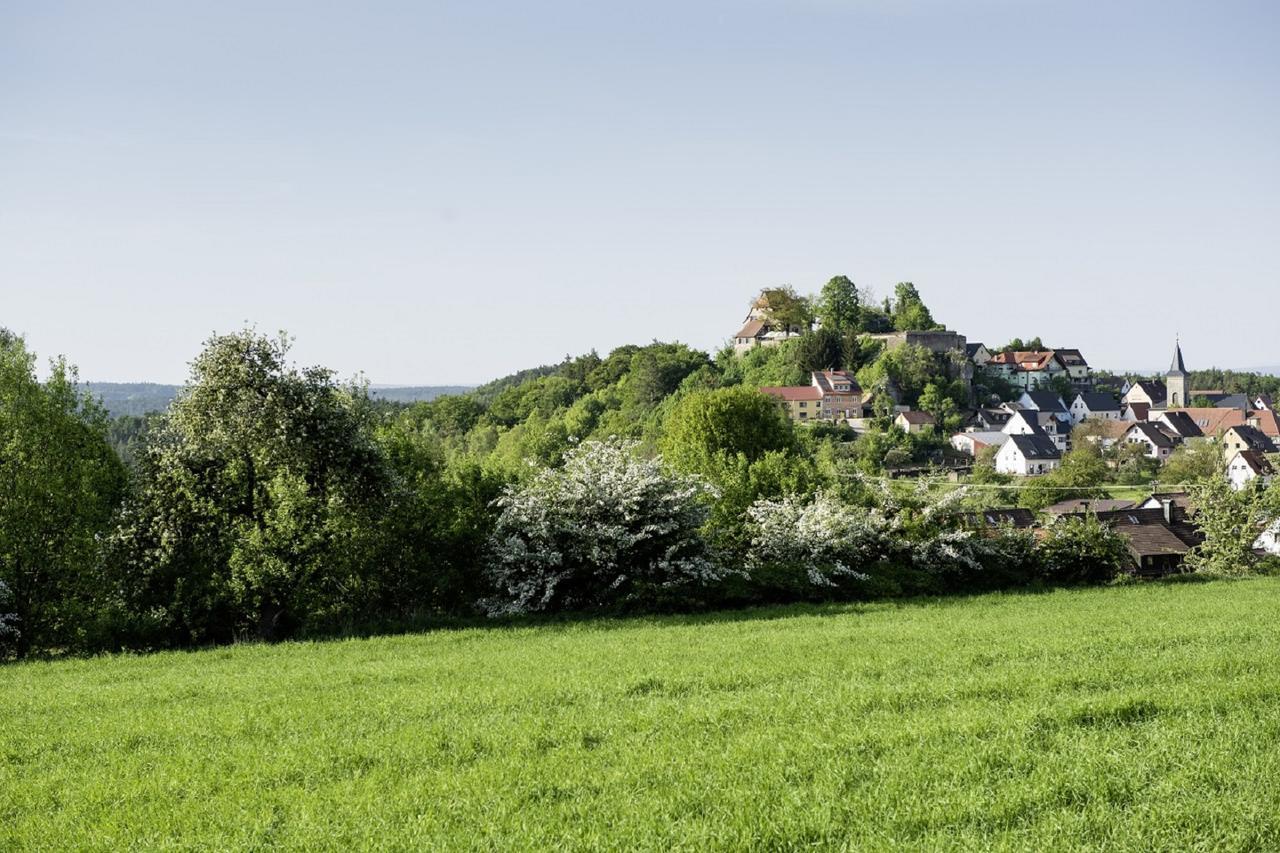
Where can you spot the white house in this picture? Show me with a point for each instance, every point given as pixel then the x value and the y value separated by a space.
pixel 1094 405
pixel 1151 393
pixel 974 443
pixel 1028 455
pixel 1032 422
pixel 1157 443
pixel 1247 466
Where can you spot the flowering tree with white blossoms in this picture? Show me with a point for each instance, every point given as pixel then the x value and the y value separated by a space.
pixel 828 541
pixel 608 527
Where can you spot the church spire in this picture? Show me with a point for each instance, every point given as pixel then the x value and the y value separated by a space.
pixel 1177 368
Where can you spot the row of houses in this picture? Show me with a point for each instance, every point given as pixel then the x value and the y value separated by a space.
pixel 1032 433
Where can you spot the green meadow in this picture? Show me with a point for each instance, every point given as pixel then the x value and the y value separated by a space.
pixel 1127 718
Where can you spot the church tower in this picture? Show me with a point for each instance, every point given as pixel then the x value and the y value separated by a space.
pixel 1176 380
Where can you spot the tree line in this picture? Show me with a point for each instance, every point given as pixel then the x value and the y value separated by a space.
pixel 272 501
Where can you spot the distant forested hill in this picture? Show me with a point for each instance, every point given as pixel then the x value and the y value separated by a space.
pixel 133 398
pixel 140 398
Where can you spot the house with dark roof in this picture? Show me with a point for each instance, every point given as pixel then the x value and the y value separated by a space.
pixel 1076 506
pixel 1028 455
pixel 977 353
pixel 1157 443
pixel 1158 540
pixel 1136 412
pixel 1247 466
pixel 987 419
pixel 1150 392
pixel 1095 405
pixel 1180 424
pixel 998 517
pixel 1043 401
pixel 1245 437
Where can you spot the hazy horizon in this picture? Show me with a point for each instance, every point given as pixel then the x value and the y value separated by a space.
pixel 444 195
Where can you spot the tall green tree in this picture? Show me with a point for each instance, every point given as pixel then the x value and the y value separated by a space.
pixel 257 494
pixel 909 311
pixel 60 483
pixel 839 306
pixel 786 309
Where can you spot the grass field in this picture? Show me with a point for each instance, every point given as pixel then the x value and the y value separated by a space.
pixel 1127 718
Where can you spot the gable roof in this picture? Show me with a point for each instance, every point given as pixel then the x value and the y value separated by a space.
pixel 1213 421
pixel 824 380
pixel 971 349
pixel 1045 401
pixel 753 329
pixel 1140 410
pixel 1155 435
pixel 792 393
pixel 1029 360
pixel 1036 446
pixel 1256 462
pixel 1267 422
pixel 1071 357
pixel 916 417
pixel 1182 424
pixel 998 516
pixel 1084 505
pixel 1148 533
pixel 1096 401
pixel 1156 391
pixel 1234 401
pixel 1254 437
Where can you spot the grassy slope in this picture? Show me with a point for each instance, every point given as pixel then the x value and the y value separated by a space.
pixel 1137 718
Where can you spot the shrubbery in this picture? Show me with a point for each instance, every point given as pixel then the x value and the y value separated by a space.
pixel 608 528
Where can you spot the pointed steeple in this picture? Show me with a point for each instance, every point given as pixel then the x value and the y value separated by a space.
pixel 1177 368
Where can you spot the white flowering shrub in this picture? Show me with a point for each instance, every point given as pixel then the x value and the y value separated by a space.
pixel 8 623
pixel 824 541
pixel 606 528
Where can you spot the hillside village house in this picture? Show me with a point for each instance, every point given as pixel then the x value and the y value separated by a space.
pixel 1033 422
pixel 1027 369
pixel 1156 443
pixel 1151 394
pixel 974 443
pixel 1026 455
pixel 913 421
pixel 1247 466
pixel 1094 405
pixel 757 331
pixel 832 395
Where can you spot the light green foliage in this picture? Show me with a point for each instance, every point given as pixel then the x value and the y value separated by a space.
pixel 1081 475
pixel 1231 521
pixel 1192 462
pixel 1135 718
pixel 60 482
pixel 705 425
pixel 907 368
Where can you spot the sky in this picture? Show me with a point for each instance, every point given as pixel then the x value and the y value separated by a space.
pixel 439 192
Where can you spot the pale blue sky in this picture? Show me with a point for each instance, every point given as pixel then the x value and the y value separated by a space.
pixel 447 192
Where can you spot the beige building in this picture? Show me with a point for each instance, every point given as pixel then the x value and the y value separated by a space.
pixel 833 395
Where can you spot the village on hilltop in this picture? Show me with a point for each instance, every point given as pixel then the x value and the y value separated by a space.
pixel 1059 401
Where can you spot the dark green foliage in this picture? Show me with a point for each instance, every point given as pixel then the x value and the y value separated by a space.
pixel 1082 550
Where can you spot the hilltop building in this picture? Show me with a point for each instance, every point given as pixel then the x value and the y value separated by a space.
pixel 832 395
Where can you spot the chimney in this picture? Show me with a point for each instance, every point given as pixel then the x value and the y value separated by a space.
pixel 1167 506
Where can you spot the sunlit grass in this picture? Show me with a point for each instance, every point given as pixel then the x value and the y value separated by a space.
pixel 1137 718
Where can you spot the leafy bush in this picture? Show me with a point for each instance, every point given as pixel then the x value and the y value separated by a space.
pixel 1082 550
pixel 608 528
pixel 813 547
